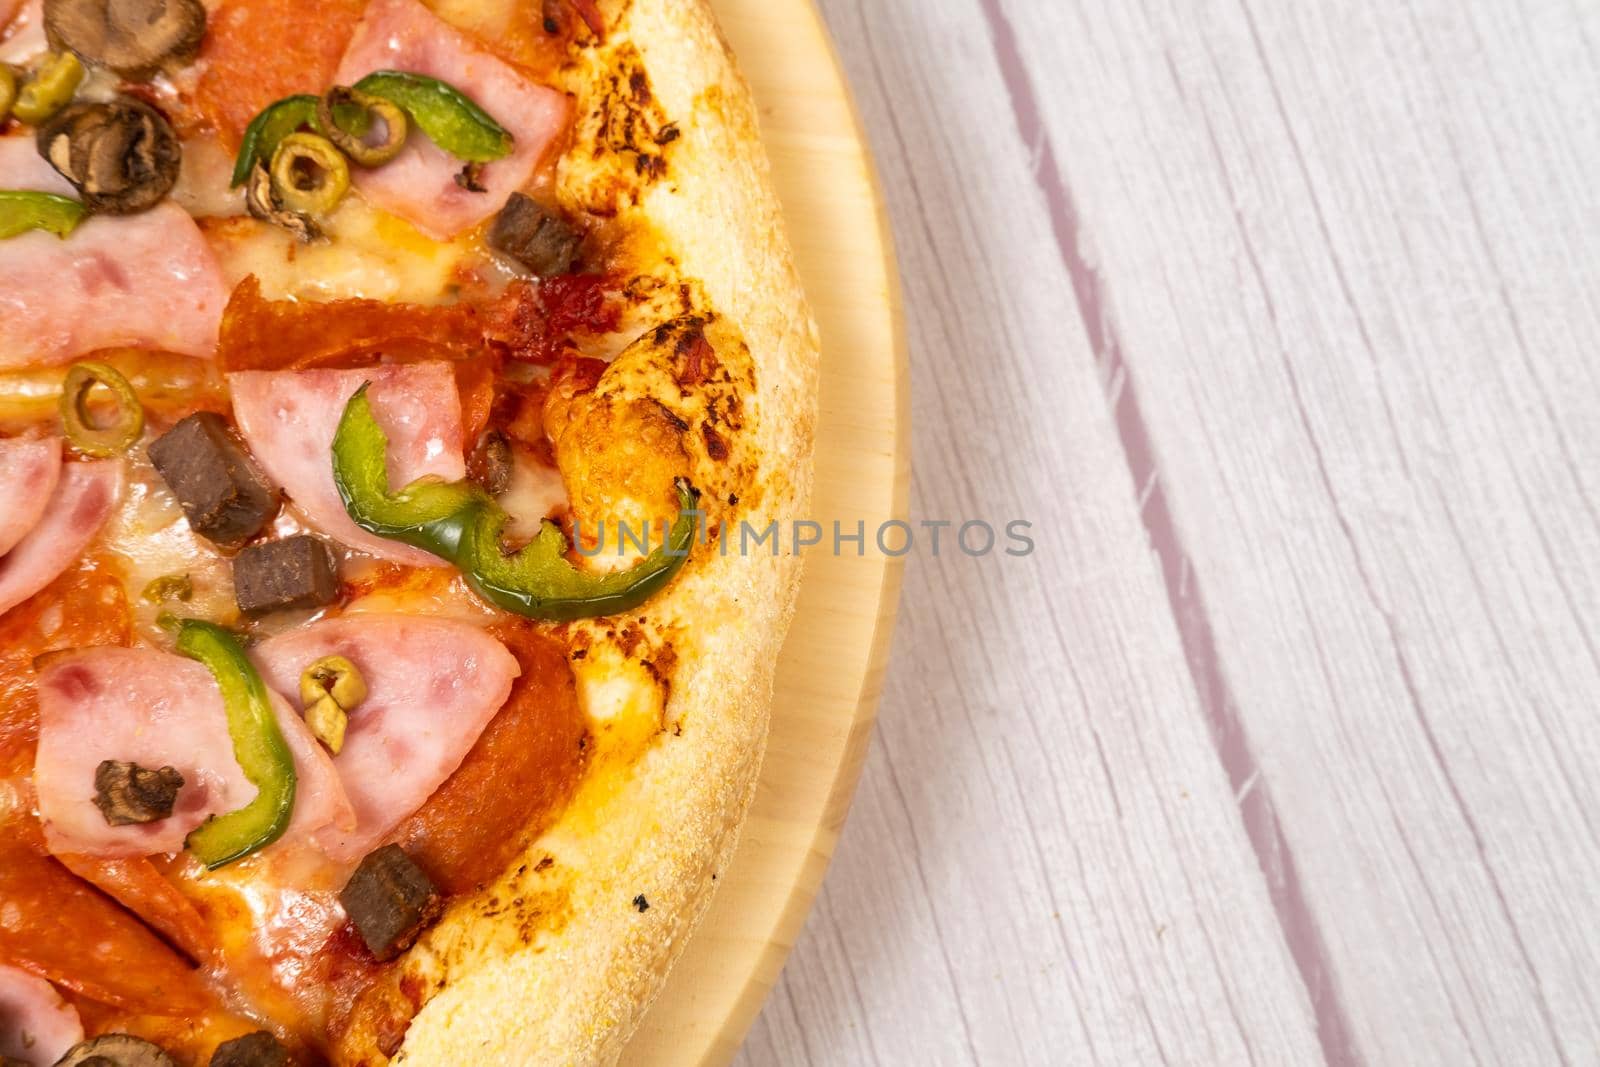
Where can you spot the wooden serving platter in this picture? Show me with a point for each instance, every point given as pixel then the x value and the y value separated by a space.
pixel 832 667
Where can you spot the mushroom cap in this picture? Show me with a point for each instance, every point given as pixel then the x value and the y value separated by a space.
pixel 122 155
pixel 135 38
pixel 263 204
pixel 115 1050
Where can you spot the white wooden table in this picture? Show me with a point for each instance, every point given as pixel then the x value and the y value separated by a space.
pixel 1279 320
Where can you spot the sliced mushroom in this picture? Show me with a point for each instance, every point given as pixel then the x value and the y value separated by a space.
pixel 259 1049
pixel 127 793
pixel 491 463
pixel 115 1050
pixel 263 203
pixel 122 155
pixel 135 38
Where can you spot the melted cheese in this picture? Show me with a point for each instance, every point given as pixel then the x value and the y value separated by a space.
pixel 151 539
pixel 368 253
pixel 622 699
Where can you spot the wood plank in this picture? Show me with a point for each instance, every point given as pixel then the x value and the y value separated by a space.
pixel 1347 254
pixel 1045 862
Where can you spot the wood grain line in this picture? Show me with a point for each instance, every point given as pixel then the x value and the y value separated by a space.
pixel 1186 604
pixel 1345 528
pixel 1057 873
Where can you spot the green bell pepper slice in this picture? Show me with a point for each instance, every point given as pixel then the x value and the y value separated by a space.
pixel 459 522
pixel 425 514
pixel 541 583
pixel 448 116
pixel 24 210
pixel 258 745
pixel 261 137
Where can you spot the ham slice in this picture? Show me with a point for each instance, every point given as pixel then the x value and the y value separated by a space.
pixel 146 280
pixel 432 686
pixel 156 710
pixel 29 470
pixel 289 419
pixel 79 505
pixel 37 1025
pixel 24 37
pixel 419 184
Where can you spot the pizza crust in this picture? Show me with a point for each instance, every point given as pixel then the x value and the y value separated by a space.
pixel 558 961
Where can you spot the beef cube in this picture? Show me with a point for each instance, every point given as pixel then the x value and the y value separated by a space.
pixel 296 572
pixel 127 793
pixel 259 1049
pixel 534 237
pixel 226 497
pixel 391 901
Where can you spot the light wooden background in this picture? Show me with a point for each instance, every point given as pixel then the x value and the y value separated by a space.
pixel 1279 321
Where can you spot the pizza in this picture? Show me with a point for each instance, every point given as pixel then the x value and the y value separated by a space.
pixel 387 391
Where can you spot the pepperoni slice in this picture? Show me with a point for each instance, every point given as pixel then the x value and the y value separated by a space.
pixel 136 884
pixel 250 61
pixel 514 780
pixel 261 334
pixel 57 927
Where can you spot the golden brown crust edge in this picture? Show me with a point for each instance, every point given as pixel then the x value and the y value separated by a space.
pixel 563 971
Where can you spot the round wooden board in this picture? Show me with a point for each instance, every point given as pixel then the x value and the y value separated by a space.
pixel 832 666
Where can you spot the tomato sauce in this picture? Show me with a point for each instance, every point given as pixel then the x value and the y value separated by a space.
pixel 537 321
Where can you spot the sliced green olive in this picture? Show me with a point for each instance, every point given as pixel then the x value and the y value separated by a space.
pixel 50 89
pixel 88 434
pixel 275 123
pixel 309 174
pixel 22 210
pixel 333 112
pixel 8 91
pixel 450 118
pixel 281 118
